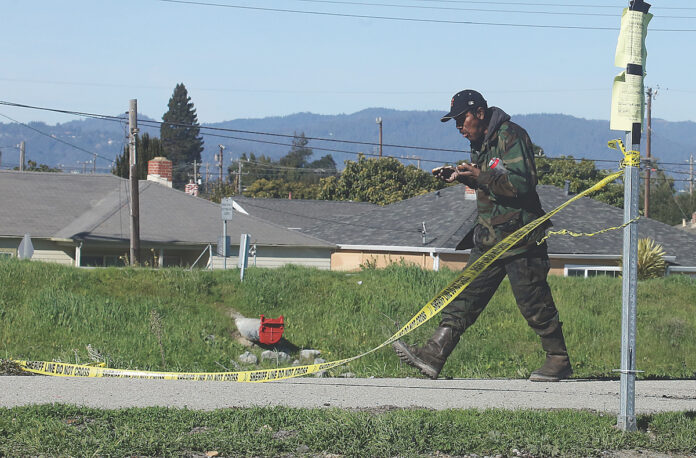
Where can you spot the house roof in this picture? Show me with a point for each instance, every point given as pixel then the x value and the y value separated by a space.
pixel 300 213
pixel 448 217
pixel 357 223
pixel 589 215
pixel 95 207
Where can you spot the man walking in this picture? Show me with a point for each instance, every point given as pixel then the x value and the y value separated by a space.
pixel 503 172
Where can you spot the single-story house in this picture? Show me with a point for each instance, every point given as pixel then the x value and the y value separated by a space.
pixel 427 229
pixel 84 220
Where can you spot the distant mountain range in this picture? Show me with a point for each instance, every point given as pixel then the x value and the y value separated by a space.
pixel 558 134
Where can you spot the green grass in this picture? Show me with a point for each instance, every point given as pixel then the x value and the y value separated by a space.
pixel 68 430
pixel 51 312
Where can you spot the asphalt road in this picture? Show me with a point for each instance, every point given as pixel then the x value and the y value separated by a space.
pixel 355 393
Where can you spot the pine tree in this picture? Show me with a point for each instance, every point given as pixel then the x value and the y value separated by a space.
pixel 180 134
pixel 146 148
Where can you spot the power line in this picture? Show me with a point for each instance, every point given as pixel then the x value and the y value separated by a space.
pixel 558 5
pixel 152 123
pixel 58 139
pixel 406 19
pixel 487 10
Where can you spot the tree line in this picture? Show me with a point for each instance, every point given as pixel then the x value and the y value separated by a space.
pixel 381 180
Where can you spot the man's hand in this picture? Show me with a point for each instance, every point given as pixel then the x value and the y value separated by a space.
pixel 449 174
pixel 446 173
pixel 468 170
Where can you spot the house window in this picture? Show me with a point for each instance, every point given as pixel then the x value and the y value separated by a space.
pixel 591 271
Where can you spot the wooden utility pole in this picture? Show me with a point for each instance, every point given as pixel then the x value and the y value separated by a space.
pixel 648 166
pixel 239 176
pixel 133 181
pixel 207 173
pixel 22 147
pixel 379 121
pixel 691 174
pixel 220 162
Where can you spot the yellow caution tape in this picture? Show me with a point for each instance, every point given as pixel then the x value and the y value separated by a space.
pixel 430 309
pixel 631 158
pixel 585 234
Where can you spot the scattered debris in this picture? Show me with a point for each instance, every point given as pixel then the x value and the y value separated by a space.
pixel 248 358
pixel 279 356
pixel 309 354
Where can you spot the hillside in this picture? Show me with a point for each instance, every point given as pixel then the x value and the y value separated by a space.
pixel 558 134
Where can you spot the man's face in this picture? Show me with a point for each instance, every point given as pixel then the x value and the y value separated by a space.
pixel 471 125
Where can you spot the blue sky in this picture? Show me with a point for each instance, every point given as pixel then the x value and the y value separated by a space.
pixel 94 56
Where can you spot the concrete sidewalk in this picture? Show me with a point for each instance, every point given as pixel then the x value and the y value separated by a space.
pixel 110 393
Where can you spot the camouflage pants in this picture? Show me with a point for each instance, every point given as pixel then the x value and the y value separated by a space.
pixel 527 273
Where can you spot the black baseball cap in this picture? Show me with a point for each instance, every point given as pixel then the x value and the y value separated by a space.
pixel 464 101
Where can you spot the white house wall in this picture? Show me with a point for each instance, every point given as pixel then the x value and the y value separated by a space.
pixel 272 257
pixel 44 250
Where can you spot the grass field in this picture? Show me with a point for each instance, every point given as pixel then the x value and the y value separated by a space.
pixel 51 312
pixel 66 430
pixel 174 320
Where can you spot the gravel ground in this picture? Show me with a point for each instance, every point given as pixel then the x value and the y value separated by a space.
pixel 652 396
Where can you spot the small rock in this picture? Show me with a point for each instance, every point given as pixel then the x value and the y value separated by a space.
pixel 320 374
pixel 296 362
pixel 302 449
pixel 319 360
pixel 248 358
pixel 309 354
pixel 279 356
pixel 212 453
pixel 347 375
pixel 360 282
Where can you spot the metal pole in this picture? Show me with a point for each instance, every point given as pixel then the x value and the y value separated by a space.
pixel 627 419
pixel 133 180
pixel 648 131
pixel 224 246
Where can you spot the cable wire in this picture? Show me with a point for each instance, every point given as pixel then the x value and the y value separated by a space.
pixel 487 10
pixel 406 19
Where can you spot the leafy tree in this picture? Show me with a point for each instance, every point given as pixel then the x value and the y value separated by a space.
pixel 292 174
pixel 32 166
pixel 180 134
pixel 146 148
pixel 282 189
pixel 381 180
pixel 581 174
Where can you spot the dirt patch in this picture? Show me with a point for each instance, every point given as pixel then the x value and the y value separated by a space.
pixel 8 367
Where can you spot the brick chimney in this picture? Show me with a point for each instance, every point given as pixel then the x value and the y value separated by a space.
pixel 469 193
pixel 191 188
pixel 159 170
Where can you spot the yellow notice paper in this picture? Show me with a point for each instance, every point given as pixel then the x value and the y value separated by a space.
pixel 630 49
pixel 626 101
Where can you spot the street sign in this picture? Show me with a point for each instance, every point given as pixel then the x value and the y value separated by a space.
pixel 227 206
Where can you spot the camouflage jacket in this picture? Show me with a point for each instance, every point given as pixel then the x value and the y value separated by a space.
pixel 506 194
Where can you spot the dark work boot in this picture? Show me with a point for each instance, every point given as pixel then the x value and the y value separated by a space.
pixel 557 365
pixel 429 358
